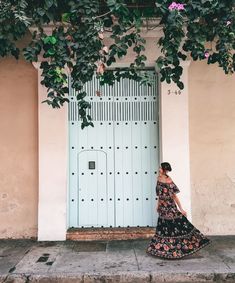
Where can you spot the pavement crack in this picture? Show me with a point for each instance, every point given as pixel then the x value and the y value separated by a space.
pixel 136 259
pixel 51 262
pixel 226 265
pixel 5 279
pixel 27 251
pixel 27 278
pixel 12 269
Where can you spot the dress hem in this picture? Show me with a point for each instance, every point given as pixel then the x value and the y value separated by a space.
pixel 178 257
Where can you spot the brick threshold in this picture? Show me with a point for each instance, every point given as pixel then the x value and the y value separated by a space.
pixel 107 234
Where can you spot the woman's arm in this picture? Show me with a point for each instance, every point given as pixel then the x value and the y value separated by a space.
pixel 157 205
pixel 177 201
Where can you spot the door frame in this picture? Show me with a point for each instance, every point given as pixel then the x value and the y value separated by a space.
pixel 53 153
pixel 75 136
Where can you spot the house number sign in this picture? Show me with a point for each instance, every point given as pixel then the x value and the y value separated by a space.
pixel 175 92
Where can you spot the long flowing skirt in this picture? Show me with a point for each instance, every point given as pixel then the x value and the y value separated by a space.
pixel 176 238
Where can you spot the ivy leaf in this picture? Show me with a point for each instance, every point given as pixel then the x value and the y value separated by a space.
pixel 41 11
pixel 81 95
pixel 50 39
pixel 50 52
pixel 78 48
pixel 49 3
pixel 180 85
pixel 66 17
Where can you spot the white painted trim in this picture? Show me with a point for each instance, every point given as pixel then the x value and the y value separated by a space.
pixel 53 154
pixel 174 128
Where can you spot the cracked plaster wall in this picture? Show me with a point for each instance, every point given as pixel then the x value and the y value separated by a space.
pixel 212 149
pixel 18 149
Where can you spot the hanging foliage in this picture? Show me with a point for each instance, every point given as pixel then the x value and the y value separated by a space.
pixel 197 29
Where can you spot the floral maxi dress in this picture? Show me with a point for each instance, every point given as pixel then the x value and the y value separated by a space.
pixel 175 236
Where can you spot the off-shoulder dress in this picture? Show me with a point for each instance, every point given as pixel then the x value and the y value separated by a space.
pixel 175 236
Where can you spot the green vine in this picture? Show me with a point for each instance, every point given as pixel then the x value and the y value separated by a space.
pixel 197 29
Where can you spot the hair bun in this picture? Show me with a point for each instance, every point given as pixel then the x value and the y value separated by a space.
pixel 166 166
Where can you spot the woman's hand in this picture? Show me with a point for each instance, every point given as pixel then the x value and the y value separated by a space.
pixel 157 208
pixel 183 212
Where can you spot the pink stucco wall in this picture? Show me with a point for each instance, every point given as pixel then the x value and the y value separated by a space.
pixel 211 144
pixel 212 148
pixel 18 149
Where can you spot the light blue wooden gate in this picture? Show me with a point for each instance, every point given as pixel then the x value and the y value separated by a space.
pixel 112 168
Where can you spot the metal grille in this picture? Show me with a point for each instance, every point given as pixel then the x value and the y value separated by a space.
pixel 126 100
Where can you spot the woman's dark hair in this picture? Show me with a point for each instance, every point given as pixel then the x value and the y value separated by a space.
pixel 166 166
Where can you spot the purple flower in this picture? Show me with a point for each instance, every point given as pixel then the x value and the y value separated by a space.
pixel 180 7
pixel 206 54
pixel 228 23
pixel 175 6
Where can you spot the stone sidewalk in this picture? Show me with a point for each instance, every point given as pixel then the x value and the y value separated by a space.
pixel 113 261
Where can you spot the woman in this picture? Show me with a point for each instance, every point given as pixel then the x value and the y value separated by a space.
pixel 175 236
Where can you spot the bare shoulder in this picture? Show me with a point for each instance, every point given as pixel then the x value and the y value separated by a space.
pixel 169 180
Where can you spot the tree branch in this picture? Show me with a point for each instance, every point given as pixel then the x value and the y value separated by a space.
pixel 103 15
